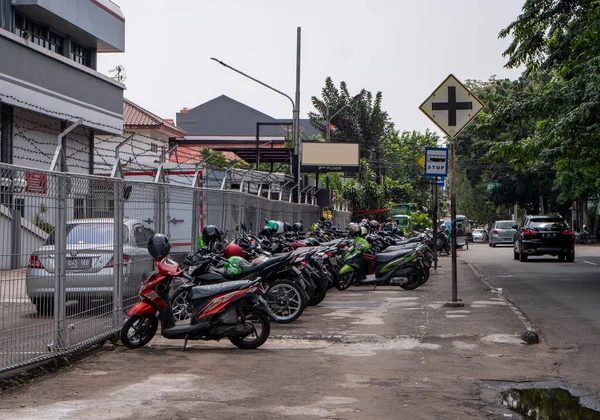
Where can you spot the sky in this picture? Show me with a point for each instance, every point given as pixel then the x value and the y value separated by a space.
pixel 402 48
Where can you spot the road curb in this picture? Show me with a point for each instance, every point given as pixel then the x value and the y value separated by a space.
pixel 529 326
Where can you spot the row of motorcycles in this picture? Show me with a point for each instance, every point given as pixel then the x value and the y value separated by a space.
pixel 234 289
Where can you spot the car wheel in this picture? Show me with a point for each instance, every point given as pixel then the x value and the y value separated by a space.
pixel 515 255
pixel 561 257
pixel 44 306
pixel 493 245
pixel 571 257
pixel 522 256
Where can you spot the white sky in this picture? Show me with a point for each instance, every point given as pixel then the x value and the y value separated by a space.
pixel 403 48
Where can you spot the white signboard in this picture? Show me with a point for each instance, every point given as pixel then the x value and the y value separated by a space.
pixel 451 106
pixel 436 161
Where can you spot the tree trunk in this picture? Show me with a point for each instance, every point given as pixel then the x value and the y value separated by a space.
pixel 585 217
pixel 542 211
pixel 597 221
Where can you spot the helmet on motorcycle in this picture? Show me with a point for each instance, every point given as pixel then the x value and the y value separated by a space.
pixel 374 224
pixel 233 250
pixel 297 227
pixel 287 227
pixel 266 231
pixel 363 231
pixel 234 266
pixel 211 234
pixel 353 230
pixel 159 246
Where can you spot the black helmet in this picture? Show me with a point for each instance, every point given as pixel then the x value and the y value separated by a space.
pixel 266 231
pixel 297 227
pixel 211 234
pixel 159 246
pixel 353 230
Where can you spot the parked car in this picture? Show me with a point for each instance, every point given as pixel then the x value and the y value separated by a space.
pixel 479 235
pixel 89 263
pixel 544 235
pixel 502 232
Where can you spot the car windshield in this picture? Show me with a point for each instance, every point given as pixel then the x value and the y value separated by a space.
pixel 546 223
pixel 89 233
pixel 505 225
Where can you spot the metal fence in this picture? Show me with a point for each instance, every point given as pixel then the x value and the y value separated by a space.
pixel 73 250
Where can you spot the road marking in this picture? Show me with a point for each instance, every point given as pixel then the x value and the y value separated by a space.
pixel 587 262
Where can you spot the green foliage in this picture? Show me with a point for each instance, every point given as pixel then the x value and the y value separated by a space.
pixel 559 43
pixel 420 221
pixel 38 219
pixel 214 158
pixel 357 118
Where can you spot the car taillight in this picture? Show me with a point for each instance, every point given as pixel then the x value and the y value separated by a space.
pixel 111 263
pixel 567 232
pixel 34 262
pixel 529 232
pixel 495 232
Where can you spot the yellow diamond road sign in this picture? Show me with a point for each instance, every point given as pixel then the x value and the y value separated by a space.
pixel 421 160
pixel 451 106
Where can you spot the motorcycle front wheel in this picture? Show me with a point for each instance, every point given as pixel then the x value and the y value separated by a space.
pixel 138 331
pixel 286 300
pixel 345 280
pixel 260 325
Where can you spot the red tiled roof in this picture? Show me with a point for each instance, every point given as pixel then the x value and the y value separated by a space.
pixel 134 116
pixel 192 154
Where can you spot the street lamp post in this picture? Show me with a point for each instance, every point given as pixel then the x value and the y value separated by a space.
pixel 295 108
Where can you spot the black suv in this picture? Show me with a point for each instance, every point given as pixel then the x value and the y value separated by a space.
pixel 544 235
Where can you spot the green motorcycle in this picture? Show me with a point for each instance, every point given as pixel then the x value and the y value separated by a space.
pixel 397 268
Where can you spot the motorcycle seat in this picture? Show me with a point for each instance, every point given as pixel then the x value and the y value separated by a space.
pixel 199 292
pixel 395 248
pixel 389 256
pixel 269 263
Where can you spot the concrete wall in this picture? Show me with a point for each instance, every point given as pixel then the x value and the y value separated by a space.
pixel 135 153
pixel 32 238
pixel 35 78
pixel 35 139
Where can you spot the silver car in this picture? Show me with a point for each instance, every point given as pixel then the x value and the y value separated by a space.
pixel 502 232
pixel 89 275
pixel 479 235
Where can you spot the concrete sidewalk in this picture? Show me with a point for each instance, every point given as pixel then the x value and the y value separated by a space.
pixel 361 354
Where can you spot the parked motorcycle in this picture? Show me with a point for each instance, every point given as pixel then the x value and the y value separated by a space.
pixel 232 310
pixel 401 267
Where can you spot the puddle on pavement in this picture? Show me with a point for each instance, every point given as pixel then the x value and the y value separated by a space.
pixel 552 403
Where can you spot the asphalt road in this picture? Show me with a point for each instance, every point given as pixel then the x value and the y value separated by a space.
pixel 560 298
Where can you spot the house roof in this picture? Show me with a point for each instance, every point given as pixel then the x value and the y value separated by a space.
pixel 223 116
pixel 136 117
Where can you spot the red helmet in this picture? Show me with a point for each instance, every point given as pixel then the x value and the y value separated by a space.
pixel 233 250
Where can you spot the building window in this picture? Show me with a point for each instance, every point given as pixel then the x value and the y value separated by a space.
pixel 79 208
pixel 38 34
pixel 20 206
pixel 80 54
pixel 154 148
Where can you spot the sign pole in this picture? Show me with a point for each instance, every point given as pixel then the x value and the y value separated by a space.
pixel 455 301
pixel 435 223
pixel 451 107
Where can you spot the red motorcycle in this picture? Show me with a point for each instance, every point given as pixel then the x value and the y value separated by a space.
pixel 226 310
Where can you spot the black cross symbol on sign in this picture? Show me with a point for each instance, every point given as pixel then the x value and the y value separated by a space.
pixel 451 106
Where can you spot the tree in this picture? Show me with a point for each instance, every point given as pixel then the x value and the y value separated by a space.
pixel 559 43
pixel 357 119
